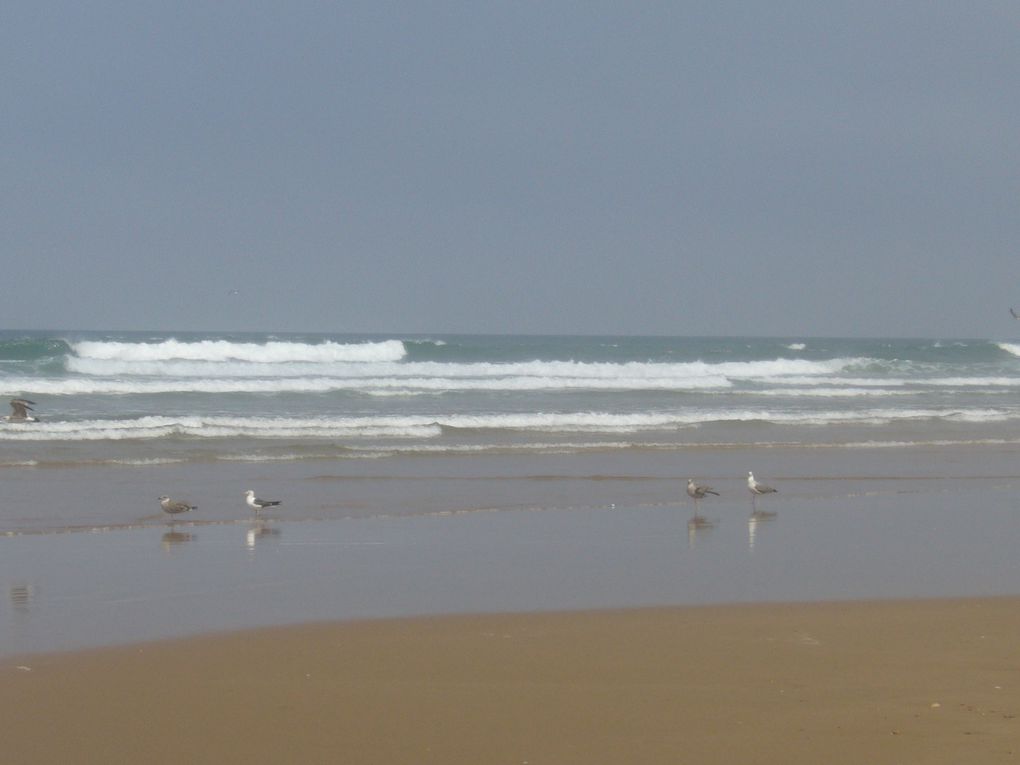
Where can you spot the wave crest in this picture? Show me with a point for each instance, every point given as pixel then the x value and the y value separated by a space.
pixel 426 428
pixel 272 352
pixel 1011 348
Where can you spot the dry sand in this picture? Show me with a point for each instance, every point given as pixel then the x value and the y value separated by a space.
pixel 885 682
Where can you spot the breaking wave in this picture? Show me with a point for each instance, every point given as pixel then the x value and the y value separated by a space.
pixel 422 427
pixel 119 368
pixel 1010 348
pixel 175 391
pixel 270 352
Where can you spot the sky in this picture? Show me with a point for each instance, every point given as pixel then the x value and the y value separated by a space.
pixel 678 168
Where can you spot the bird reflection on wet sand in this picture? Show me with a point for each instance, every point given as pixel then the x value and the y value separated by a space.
pixel 757 517
pixel 697 525
pixel 21 596
pixel 171 539
pixel 260 530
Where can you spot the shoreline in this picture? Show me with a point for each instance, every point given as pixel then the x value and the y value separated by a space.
pixel 75 590
pixel 879 681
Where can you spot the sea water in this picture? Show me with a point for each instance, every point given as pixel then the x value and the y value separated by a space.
pixel 346 405
pixel 285 396
pixel 460 473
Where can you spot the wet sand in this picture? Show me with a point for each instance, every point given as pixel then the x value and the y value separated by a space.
pixel 80 590
pixel 923 681
pixel 705 663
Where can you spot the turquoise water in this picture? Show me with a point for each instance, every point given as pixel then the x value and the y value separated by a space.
pixel 141 398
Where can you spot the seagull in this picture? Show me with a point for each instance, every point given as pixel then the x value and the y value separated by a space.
pixel 696 492
pixel 174 507
pixel 256 503
pixel 757 488
pixel 20 408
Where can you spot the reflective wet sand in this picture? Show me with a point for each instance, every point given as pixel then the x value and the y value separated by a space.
pixel 845 619
pixel 923 529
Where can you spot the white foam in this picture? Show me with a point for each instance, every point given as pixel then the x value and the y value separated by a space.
pixel 961 382
pixel 221 427
pixel 827 392
pixel 1010 348
pixel 425 428
pixel 273 352
pixel 145 461
pixel 916 382
pixel 375 386
pixel 127 374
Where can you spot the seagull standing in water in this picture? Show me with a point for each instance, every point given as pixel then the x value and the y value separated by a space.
pixel 697 492
pixel 257 504
pixel 757 488
pixel 173 507
pixel 20 408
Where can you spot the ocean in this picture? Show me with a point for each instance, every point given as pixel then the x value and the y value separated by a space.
pixel 442 473
pixel 127 398
pixel 357 404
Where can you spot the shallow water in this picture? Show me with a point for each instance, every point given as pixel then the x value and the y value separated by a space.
pixel 831 538
pixel 434 475
pixel 74 499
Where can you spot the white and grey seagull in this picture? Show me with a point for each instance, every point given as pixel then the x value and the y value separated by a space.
pixel 697 492
pixel 20 408
pixel 756 488
pixel 258 504
pixel 173 507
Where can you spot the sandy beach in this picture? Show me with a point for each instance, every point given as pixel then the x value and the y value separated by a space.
pixel 360 364
pixel 872 619
pixel 930 681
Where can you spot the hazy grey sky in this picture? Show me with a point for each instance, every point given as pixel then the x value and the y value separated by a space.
pixel 786 168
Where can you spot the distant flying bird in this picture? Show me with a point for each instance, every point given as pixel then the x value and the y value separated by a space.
pixel 1014 314
pixel 20 408
pixel 173 507
pixel 696 492
pixel 757 488
pixel 258 504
